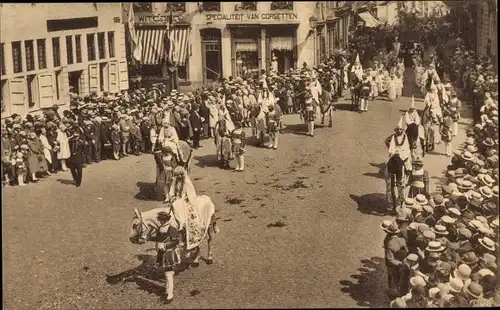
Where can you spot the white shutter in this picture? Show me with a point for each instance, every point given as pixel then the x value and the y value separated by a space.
pixel 123 75
pixel 113 77
pixel 17 91
pixel 46 89
pixel 93 78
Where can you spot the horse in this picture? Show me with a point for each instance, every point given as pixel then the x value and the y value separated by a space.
pixel 223 143
pixel 415 137
pixel 355 87
pixel 395 181
pixel 145 226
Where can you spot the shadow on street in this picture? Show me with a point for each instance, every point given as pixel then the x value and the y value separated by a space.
pixel 206 161
pixel 66 181
pixel 379 174
pixel 374 204
pixel 369 290
pixel 344 107
pixel 148 191
pixel 297 129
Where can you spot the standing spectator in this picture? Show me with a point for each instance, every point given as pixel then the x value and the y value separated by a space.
pixel 62 147
pixel 77 158
pixel 196 125
pixel 392 244
pixel 116 141
pixel 125 134
pixel 47 148
pixel 96 139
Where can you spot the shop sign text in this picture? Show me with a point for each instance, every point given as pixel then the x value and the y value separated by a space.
pixel 251 16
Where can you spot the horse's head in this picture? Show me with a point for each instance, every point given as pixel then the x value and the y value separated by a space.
pixel 412 134
pixel 395 165
pixel 139 231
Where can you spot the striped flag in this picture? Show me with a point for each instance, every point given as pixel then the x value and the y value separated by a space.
pixel 135 43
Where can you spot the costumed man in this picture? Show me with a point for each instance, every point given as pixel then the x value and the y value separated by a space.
pixel 357 69
pixel 273 118
pixel 309 113
pixel 316 91
pixel 265 98
pixel 366 88
pixel 327 98
pixel 238 144
pixel 411 116
pixel 399 144
pixel 412 119
pixel 418 180
pixel 429 77
pixel 431 101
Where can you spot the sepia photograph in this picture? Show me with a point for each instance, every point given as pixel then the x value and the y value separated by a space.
pixel 249 155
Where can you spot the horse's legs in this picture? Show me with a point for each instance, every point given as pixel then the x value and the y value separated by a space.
pixel 330 115
pixel 166 188
pixel 196 260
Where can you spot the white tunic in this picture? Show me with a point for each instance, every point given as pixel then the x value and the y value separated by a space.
pixel 403 150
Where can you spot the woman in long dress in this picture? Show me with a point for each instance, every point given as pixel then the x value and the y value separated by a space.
pixel 63 151
pixel 47 148
pixel 391 87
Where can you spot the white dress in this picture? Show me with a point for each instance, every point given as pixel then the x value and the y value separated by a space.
pixel 46 148
pixel 62 139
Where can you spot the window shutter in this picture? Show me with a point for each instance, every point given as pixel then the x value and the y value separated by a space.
pixel 123 75
pixel 93 78
pixel 17 91
pixel 113 77
pixel 46 90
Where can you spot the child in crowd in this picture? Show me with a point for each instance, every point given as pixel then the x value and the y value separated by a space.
pixel 391 87
pixel 399 85
pixel 115 139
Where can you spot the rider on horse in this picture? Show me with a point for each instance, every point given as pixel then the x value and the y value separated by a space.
pixel 357 69
pixel 411 116
pixel 398 144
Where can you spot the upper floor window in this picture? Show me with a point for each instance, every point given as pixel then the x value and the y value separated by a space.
pixel 246 6
pixel 2 59
pixel 56 52
pixel 69 50
pixel 281 5
pixel 111 44
pixel 143 7
pixel 78 48
pixel 101 45
pixel 176 7
pixel 211 6
pixel 91 46
pixel 42 57
pixel 30 55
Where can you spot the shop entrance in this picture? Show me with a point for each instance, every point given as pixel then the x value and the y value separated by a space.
pixel 211 55
pixel 284 59
pixel 75 82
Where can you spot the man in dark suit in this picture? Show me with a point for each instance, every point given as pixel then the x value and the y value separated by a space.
pixel 105 138
pixel 96 140
pixel 77 157
pixel 205 114
pixel 196 124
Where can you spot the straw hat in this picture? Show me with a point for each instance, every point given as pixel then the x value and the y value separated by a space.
pixel 421 199
pixel 485 272
pixel 474 290
pixel 417 280
pixel 462 272
pixel 455 285
pixel 435 246
pixel 486 179
pixel 487 243
pixel 447 219
pixel 454 212
pixel 440 230
pixel 409 202
pixel 467 156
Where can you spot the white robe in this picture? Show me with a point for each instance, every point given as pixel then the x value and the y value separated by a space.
pixel 46 148
pixel 411 118
pixel 64 151
pixel 403 150
pixel 358 71
pixel 229 122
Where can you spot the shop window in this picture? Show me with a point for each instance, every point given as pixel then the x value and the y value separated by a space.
pixel 32 90
pixel 211 6
pixel 42 54
pixel 281 5
pixel 91 46
pixel 56 52
pixel 246 6
pixel 176 7
pixel 2 59
pixel 69 50
pixel 246 55
pixel 143 7
pixel 78 48
pixel 183 72
pixel 102 45
pixel 111 44
pixel 29 51
pixel 58 84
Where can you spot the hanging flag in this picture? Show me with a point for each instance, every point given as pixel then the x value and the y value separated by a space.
pixel 135 43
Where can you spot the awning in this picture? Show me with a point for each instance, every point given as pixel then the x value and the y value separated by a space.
pixel 282 43
pixel 246 47
pixel 370 21
pixel 153 44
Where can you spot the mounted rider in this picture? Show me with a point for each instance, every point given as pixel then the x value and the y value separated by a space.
pixel 398 144
pixel 411 116
pixel 357 69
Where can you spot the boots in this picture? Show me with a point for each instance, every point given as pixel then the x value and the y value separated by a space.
pixel 34 178
pixel 169 286
pixel 63 165
pixel 237 164
pixel 242 163
pixel 261 139
pixel 275 142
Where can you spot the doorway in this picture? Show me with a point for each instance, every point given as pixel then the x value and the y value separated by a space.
pixel 103 73
pixel 212 64
pixel 75 82
pixel 285 60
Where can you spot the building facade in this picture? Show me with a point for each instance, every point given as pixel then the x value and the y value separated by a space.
pixel 426 8
pixel 57 48
pixel 219 39
pixel 487 29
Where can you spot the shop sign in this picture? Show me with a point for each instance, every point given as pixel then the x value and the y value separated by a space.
pixel 151 19
pixel 251 17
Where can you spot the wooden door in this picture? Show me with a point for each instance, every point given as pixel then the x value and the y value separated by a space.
pixel 46 89
pixel 113 77
pixel 17 91
pixel 94 78
pixel 123 75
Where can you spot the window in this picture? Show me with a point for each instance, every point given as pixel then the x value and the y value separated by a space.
pixel 3 94
pixel 247 6
pixel 111 44
pixel 103 74
pixel 17 57
pixel 374 12
pixel 143 7
pixel 91 46
pixel 183 72
pixel 281 5
pixel 32 90
pixel 78 48
pixel 211 6
pixel 176 7
pixel 42 55
pixel 69 49
pixel 101 45
pixel 2 59
pixel 56 52
pixel 29 50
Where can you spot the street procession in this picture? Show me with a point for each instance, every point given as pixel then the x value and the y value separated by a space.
pixel 250 154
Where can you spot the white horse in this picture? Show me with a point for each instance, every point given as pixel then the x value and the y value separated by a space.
pixel 145 225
